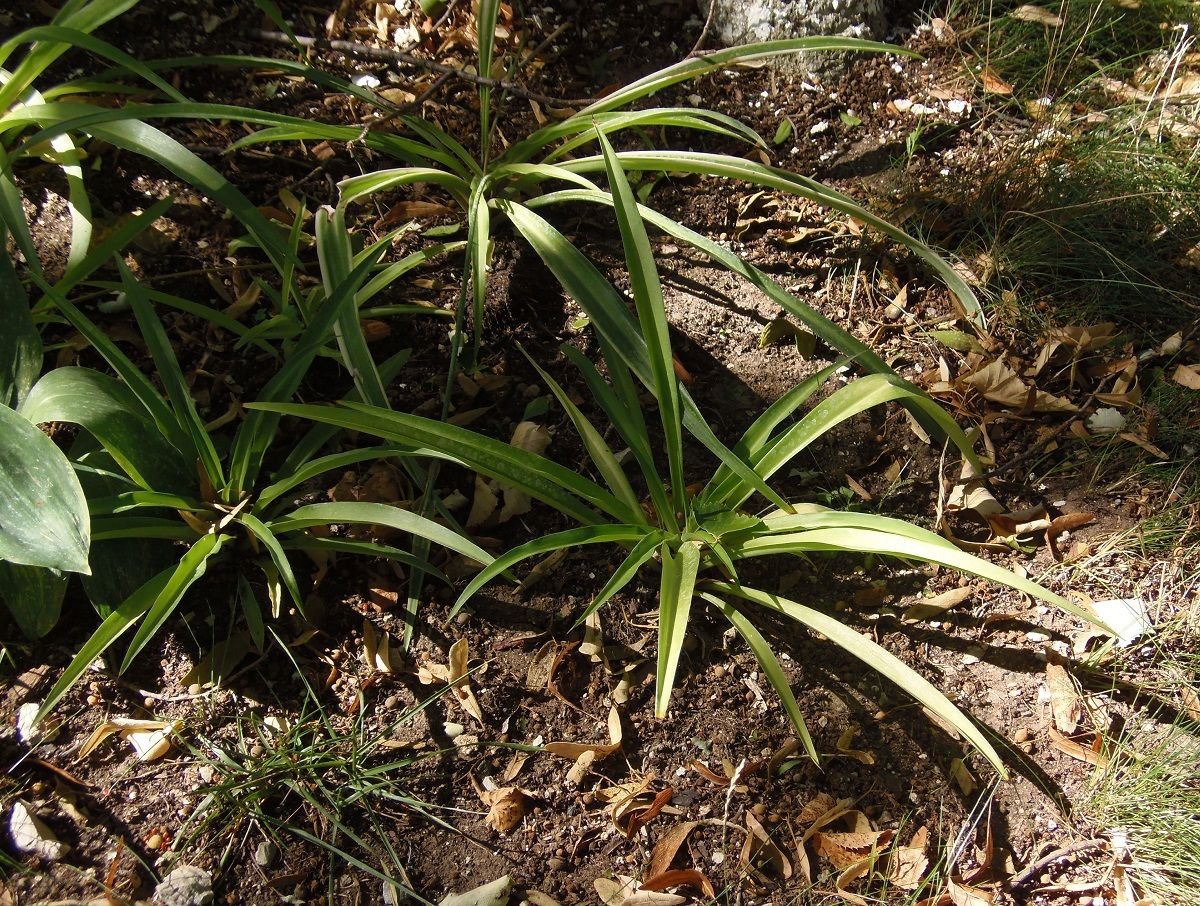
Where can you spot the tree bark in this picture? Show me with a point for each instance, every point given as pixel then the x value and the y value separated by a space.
pixel 745 21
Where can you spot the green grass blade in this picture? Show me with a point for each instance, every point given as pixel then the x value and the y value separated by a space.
pixel 478 247
pixel 392 272
pixel 111 528
pixel 652 317
pixel 357 513
pixel 86 18
pixel 363 549
pixel 674 607
pixel 485 26
pixel 582 132
pixel 190 568
pixel 200 443
pixel 639 554
pixel 876 657
pixel 625 413
pixel 312 468
pixel 73 37
pixel 537 476
pixel 849 400
pixel 588 534
pixel 127 501
pixel 255 434
pixel 759 432
pixel 771 669
pixel 599 451
pixel 619 328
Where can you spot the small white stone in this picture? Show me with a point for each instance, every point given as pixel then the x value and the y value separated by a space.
pixel 958 106
pixel 366 80
pixel 818 128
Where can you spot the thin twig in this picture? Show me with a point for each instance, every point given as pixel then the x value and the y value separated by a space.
pixel 365 51
pixel 708 19
pixel 1031 873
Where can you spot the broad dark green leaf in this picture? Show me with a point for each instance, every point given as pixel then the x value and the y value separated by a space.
pixel 109 411
pixel 20 342
pixel 43 513
pixel 34 596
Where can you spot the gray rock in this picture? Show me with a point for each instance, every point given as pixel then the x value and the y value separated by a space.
pixel 187 885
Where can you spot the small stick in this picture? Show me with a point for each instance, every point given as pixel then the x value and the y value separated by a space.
pixel 365 51
pixel 708 19
pixel 1031 873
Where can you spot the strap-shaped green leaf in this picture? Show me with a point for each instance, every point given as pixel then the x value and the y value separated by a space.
pixel 316 544
pixel 537 476
pixel 598 450
pixel 676 589
pixel 114 626
pixel 652 317
pixel 771 668
pixel 361 513
pixel 639 554
pixel 190 568
pixel 906 546
pixel 874 656
pixel 275 551
pixel 201 446
pixel 784 181
pixel 576 537
pixel 43 512
pixel 358 187
pixel 20 342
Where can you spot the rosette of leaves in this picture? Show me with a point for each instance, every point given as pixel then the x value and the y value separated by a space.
pixel 483 187
pixel 155 472
pixel 695 542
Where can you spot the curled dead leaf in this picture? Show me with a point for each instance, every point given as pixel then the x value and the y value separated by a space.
pixel 843 747
pixel 760 850
pixel 930 608
pixel 681 877
pixel 908 864
pixel 1066 706
pixel 150 739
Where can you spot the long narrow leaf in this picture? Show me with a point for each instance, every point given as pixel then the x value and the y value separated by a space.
pixel 184 407
pixel 191 567
pixel 20 343
pixel 275 551
pixel 598 450
pixel 577 537
pixel 638 556
pixel 359 513
pixel 784 181
pixel 771 667
pixel 674 607
pixel 652 316
pixel 319 545
pixel 876 657
pixel 537 476
pixel 114 626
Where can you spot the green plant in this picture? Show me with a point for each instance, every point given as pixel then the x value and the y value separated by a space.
pixel 697 542
pixel 315 779
pixel 162 476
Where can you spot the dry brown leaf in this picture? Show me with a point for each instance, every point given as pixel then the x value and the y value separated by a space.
pixel 507 807
pixel 150 739
pixel 759 848
pixel 377 650
pixel 667 846
pixel 993 84
pixel 845 849
pixel 1092 753
pixel 575 749
pixel 852 873
pixel 681 877
pixel 999 384
pixel 1030 13
pixel 1066 706
pixel 515 765
pixel 532 438
pixel 537 676
pixel 1187 376
pixel 1191 702
pixel 937 605
pixel 965 895
pixel 31 835
pixel 593 637
pixel 962 776
pixel 843 747
pixel 820 805
pixel 908 864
